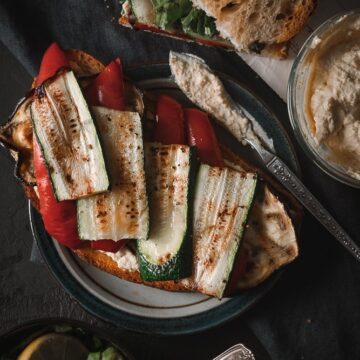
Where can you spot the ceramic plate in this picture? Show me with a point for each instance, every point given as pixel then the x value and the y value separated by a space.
pixel 140 308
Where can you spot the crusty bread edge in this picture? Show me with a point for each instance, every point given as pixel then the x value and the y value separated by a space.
pixel 105 263
pixel 279 47
pixel 298 20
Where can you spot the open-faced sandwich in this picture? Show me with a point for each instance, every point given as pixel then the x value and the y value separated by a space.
pixel 257 26
pixel 139 186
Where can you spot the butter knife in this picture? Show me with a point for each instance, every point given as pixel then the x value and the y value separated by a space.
pixel 292 183
pixel 236 352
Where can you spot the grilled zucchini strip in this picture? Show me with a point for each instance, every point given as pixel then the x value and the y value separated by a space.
pixel 121 213
pixel 223 198
pixel 167 254
pixel 68 138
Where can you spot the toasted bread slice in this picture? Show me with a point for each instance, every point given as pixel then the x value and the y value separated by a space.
pixel 270 239
pixel 83 64
pixel 260 26
pixel 270 242
pixel 276 250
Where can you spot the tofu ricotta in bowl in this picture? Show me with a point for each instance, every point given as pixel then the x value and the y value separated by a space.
pixel 324 97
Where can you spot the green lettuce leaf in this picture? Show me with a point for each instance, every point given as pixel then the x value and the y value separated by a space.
pixel 198 22
pixel 168 12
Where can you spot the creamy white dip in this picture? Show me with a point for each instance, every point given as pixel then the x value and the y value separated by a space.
pixel 206 90
pixel 332 101
pixel 124 258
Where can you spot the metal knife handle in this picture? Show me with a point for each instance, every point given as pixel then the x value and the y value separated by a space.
pixel 297 188
pixel 236 352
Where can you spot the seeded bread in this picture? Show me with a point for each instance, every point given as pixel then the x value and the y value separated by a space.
pixel 260 26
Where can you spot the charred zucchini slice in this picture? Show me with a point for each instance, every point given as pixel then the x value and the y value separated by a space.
pixel 223 198
pixel 121 213
pixel 167 254
pixel 68 138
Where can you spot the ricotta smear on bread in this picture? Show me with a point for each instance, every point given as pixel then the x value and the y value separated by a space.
pixel 332 100
pixel 205 89
pixel 124 258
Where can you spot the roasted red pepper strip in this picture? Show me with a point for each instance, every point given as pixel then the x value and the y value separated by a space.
pixel 108 245
pixel 59 217
pixel 107 90
pixel 169 127
pixel 200 133
pixel 238 271
pixel 145 27
pixel 108 87
pixel 54 58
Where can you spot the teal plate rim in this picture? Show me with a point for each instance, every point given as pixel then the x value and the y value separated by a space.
pixel 169 326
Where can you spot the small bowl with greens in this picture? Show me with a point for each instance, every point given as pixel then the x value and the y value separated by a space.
pixel 59 340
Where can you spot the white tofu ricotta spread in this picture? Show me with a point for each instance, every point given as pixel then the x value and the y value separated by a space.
pixel 124 258
pixel 332 100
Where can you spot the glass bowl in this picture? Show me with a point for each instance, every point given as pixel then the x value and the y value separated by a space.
pixel 319 154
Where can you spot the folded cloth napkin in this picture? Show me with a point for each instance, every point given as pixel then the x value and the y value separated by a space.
pixel 313 312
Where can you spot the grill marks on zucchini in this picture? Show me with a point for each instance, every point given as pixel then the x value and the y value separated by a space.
pixel 167 254
pixel 68 138
pixel 222 201
pixel 121 213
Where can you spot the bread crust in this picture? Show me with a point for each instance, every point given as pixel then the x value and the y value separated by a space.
pixel 30 193
pixel 83 64
pixel 296 21
pixel 105 263
pixel 261 26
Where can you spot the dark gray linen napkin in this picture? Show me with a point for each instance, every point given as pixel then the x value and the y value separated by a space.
pixel 313 312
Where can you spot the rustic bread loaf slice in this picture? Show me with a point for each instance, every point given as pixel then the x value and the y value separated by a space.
pixel 270 239
pixel 260 26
